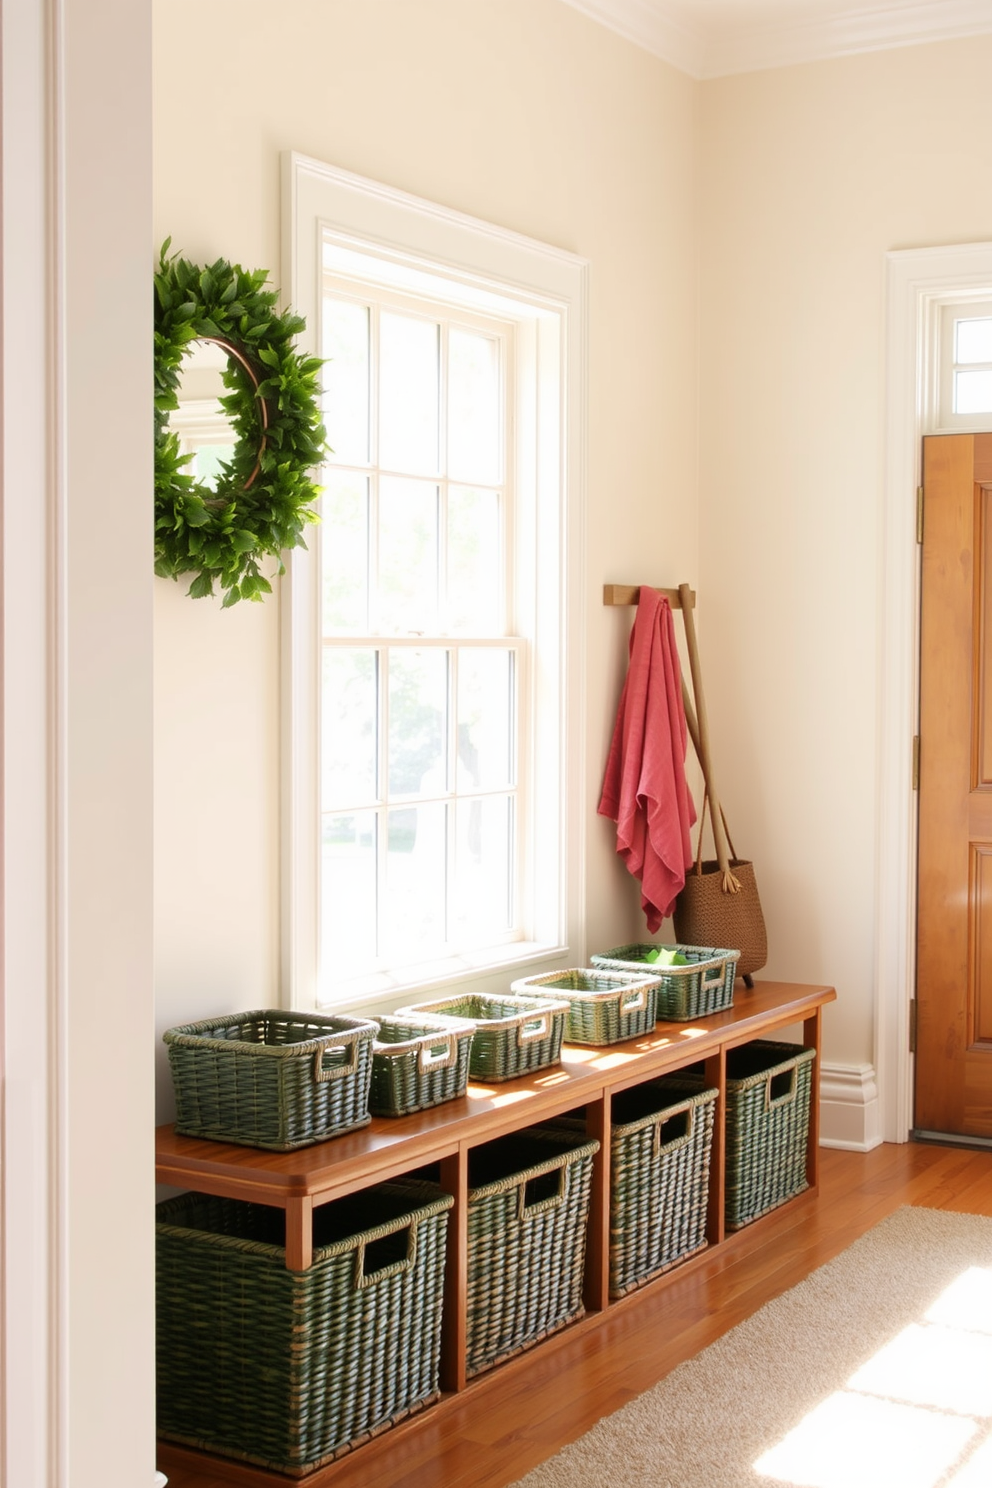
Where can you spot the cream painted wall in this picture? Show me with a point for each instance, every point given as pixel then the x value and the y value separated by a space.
pixel 521 112
pixel 810 175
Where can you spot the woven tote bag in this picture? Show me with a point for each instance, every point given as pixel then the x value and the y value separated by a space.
pixel 705 915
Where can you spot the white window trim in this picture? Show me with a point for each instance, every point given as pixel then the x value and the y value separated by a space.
pixel 489 262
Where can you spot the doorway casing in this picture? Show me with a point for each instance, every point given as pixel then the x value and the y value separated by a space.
pixel 920 282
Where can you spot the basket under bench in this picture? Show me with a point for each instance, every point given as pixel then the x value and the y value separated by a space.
pixel 300 1181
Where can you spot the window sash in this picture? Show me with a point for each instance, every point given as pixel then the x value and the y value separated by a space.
pixel 447 802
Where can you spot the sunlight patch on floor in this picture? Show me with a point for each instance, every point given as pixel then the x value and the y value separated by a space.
pixel 967 1303
pixel 918 1414
pixel 854 1441
pixel 932 1365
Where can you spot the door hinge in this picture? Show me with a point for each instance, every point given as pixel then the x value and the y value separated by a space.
pixel 919 514
pixel 916 762
pixel 912 1026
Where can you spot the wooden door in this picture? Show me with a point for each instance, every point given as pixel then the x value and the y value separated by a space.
pixel 954 922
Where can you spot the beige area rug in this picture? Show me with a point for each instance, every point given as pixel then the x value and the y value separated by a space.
pixel 874 1372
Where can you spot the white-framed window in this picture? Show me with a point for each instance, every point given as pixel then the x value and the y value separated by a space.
pixel 432 655
pixel 964 373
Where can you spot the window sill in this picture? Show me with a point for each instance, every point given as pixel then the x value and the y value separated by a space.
pixel 488 971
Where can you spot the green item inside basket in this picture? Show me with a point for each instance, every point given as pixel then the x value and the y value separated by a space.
pixel 662 956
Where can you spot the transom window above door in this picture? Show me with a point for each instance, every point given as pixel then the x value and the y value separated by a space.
pixel 964 372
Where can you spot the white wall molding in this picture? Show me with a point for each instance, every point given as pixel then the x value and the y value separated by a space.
pixel 718 47
pixel 850 1110
pixel 32 1396
pixel 77 1125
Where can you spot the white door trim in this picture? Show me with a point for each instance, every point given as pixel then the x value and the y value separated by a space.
pixel 76 989
pixel 919 282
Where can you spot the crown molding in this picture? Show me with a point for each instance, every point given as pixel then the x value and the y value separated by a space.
pixel 718 50
pixel 650 24
pixel 843 33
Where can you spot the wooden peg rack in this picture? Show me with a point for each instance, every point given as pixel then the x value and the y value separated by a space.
pixel 629 594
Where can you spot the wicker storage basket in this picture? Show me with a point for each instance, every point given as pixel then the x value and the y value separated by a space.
pixel 605 1006
pixel 662 1135
pixel 418 1062
pixel 292 1368
pixel 513 1035
pixel 705 985
pixel 271 1079
pixel 768 1102
pixel 528 1206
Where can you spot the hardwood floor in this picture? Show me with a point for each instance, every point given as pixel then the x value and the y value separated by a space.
pixel 555 1394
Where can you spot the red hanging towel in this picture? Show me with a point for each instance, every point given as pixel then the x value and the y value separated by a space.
pixel 644 789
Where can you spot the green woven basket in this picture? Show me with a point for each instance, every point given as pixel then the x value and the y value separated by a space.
pixel 528 1206
pixel 662 1135
pixel 513 1035
pixel 605 1006
pixel 290 1369
pixel 705 985
pixel 418 1062
pixel 271 1079
pixel 768 1103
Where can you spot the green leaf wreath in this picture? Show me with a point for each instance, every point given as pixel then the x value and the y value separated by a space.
pixel 262 501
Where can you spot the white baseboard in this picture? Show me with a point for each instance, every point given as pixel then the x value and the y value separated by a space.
pixel 850 1114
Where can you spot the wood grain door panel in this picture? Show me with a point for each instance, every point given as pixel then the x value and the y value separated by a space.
pixel 954 922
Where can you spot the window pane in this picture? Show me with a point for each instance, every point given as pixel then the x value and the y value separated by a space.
pixel 418 713
pixel 208 460
pixel 344 536
pixel 350 717
pixel 973 392
pixel 973 340
pixel 348 890
pixel 408 545
pixel 413 920
pixel 408 393
pixel 485 715
pixel 483 855
pixel 474 561
pixel 473 407
pixel 346 380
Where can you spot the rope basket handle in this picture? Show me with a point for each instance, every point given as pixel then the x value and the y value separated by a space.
pixel 731 885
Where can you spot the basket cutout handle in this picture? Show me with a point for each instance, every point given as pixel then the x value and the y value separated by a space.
pixel 682 1135
pixel 376 1260
pixel 632 1001
pixel 543 1192
pixel 439 1055
pixel 780 1088
pixel 715 978
pixel 537 1025
pixel 335 1071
